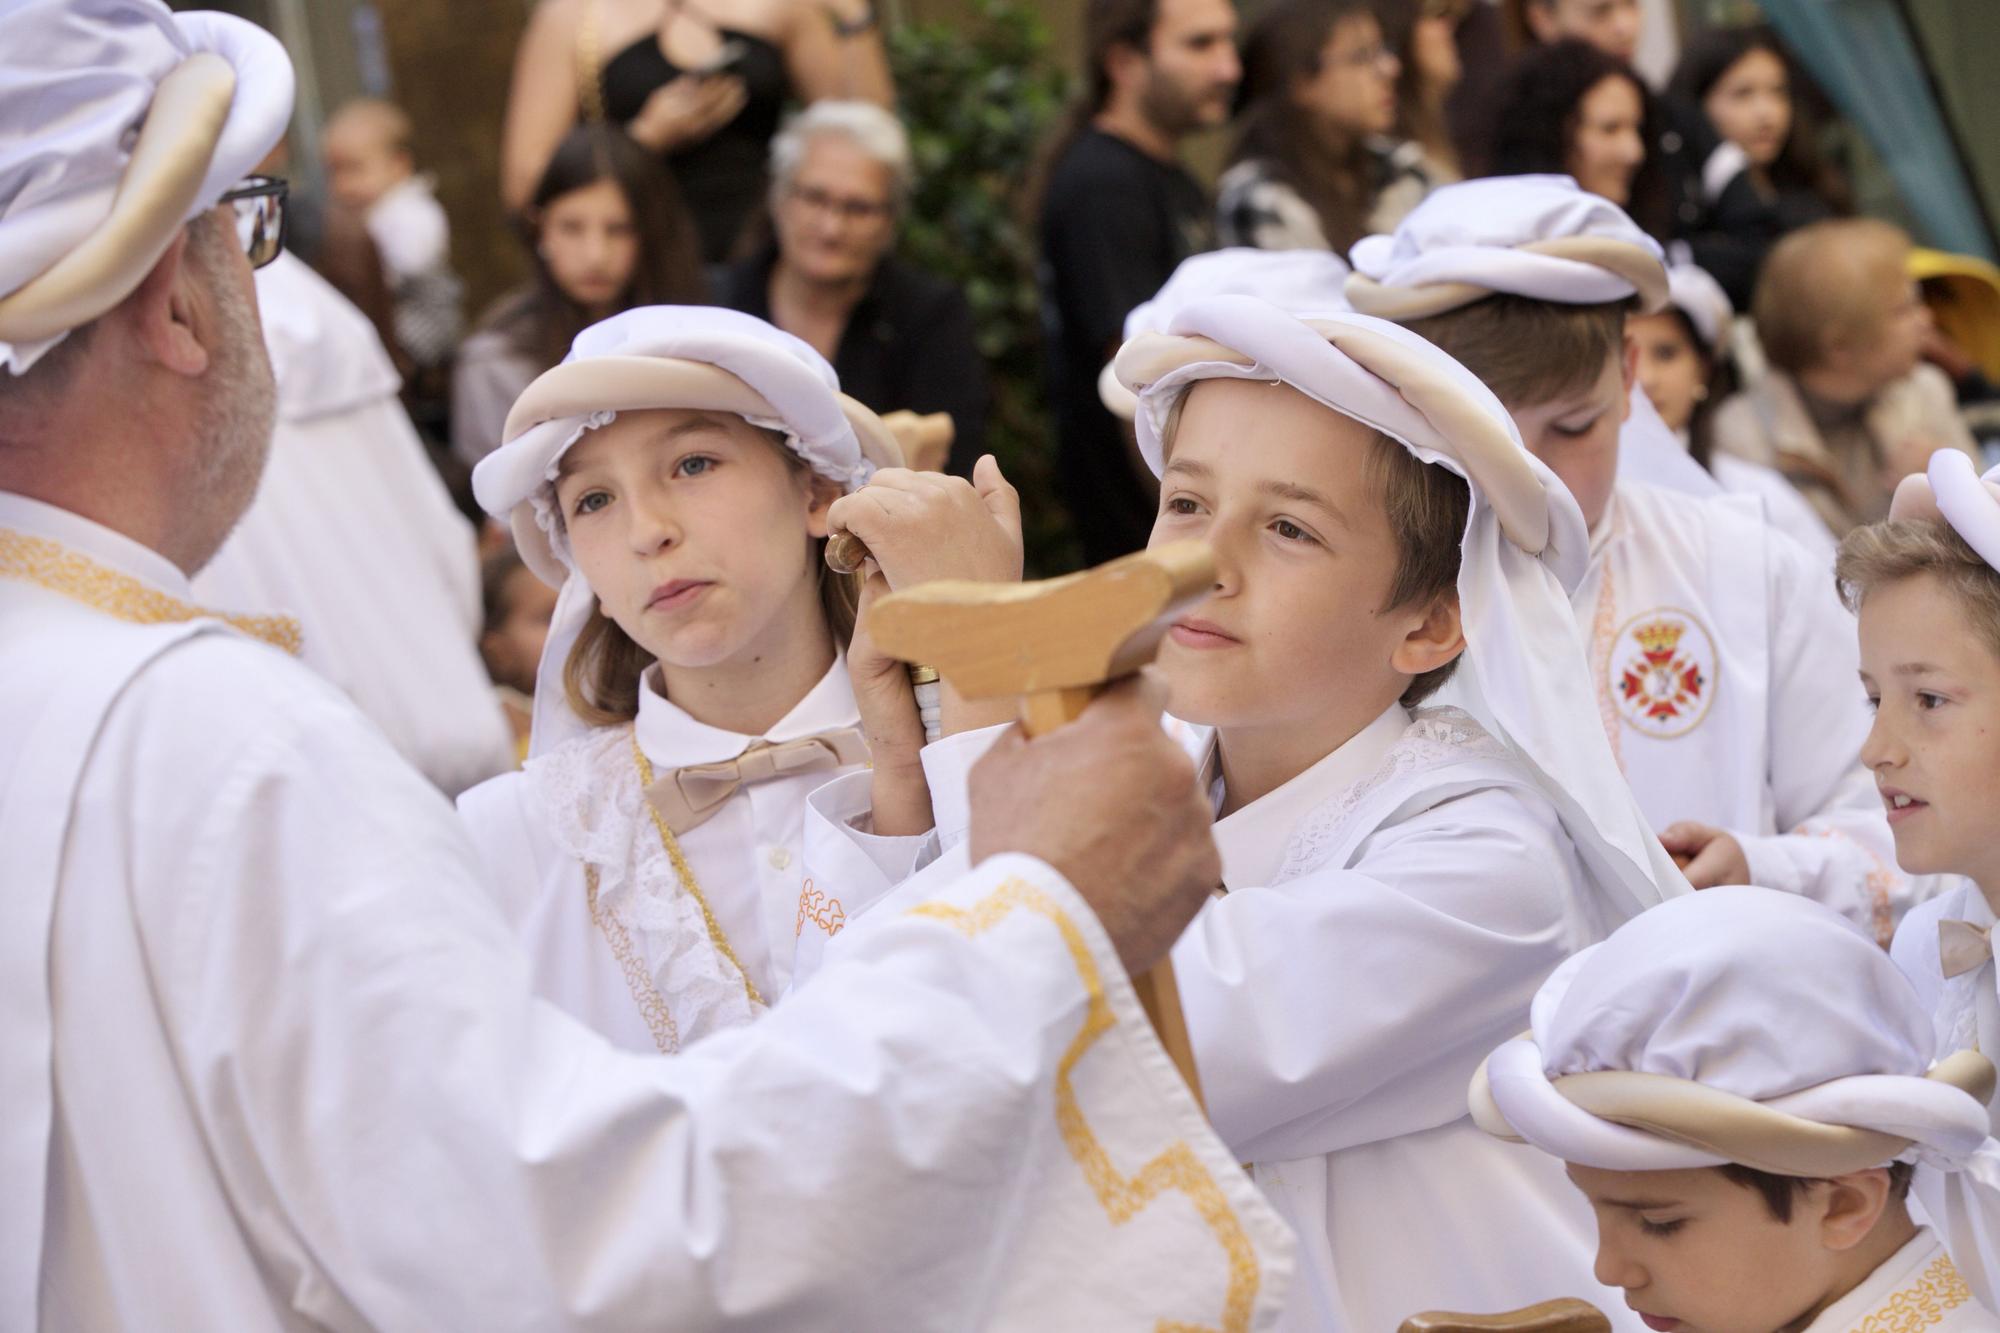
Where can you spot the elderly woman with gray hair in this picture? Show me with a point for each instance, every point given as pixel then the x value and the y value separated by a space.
pixel 900 338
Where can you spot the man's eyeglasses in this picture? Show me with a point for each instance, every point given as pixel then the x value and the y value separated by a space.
pixel 848 209
pixel 260 217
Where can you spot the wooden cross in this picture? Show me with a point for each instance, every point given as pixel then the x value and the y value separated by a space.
pixel 1054 644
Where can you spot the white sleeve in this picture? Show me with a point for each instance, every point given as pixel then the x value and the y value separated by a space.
pixel 1351 1006
pixel 416 1142
pixel 1833 843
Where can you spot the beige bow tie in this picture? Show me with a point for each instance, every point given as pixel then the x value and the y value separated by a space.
pixel 687 797
pixel 1963 946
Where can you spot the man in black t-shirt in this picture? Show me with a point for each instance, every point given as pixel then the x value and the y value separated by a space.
pixel 1118 214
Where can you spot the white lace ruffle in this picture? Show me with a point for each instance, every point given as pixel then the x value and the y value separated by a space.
pixel 1435 737
pixel 588 791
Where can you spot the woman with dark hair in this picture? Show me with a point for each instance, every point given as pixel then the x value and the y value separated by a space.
pixel 1423 34
pixel 608 232
pixel 1315 164
pixel 1570 109
pixel 1764 177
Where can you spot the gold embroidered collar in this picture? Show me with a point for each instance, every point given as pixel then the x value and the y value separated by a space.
pixel 50 564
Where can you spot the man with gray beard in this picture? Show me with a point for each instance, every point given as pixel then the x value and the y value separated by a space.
pixel 269 1056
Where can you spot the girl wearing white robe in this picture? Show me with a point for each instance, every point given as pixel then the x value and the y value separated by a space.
pixel 656 936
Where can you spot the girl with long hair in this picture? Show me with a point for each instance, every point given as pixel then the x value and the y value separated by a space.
pixel 1316 164
pixel 607 231
pixel 1764 176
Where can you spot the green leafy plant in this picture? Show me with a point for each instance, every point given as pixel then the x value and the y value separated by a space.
pixel 979 96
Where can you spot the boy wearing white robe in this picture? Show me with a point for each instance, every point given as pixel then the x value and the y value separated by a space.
pixel 1926 585
pixel 1400 883
pixel 1741 1083
pixel 268 1056
pixel 1720 660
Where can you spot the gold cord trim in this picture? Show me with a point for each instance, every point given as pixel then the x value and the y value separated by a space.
pixel 51 565
pixel 1603 631
pixel 686 874
pixel 1922 1305
pixel 1176 1168
pixel 652 1005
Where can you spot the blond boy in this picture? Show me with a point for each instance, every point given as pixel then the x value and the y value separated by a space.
pixel 1926 585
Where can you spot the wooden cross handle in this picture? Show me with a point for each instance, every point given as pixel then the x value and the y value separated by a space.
pixel 1055 644
pixel 926 444
pixel 1561 1316
pixel 926 439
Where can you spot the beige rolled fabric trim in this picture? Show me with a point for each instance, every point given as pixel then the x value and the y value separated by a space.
pixel 635 383
pixel 1497 465
pixel 1732 1127
pixel 1403 304
pixel 175 146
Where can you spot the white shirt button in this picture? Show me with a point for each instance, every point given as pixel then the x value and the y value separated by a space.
pixel 779 857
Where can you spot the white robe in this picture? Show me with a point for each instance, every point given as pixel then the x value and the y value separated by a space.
pixel 277 1057
pixel 1390 914
pixel 1725 670
pixel 582 801
pixel 1965 1014
pixel 353 534
pixel 1915 1290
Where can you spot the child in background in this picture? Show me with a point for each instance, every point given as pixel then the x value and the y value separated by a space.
pixel 1685 369
pixel 1847 407
pixel 371 169
pixel 517 606
pixel 1926 586
pixel 1740 1083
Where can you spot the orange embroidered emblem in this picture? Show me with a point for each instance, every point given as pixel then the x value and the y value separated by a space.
pixel 1660 673
pixel 823 911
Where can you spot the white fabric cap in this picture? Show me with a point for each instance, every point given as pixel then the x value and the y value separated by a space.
pixel 658 357
pixel 78 79
pixel 1952 492
pixel 1701 298
pixel 1523 675
pixel 1289 279
pixel 1736 1025
pixel 1535 236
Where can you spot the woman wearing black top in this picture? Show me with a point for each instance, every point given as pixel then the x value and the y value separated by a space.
pixel 700 82
pixel 1763 178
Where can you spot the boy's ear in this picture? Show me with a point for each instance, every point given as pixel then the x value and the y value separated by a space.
pixel 1854 1204
pixel 1432 642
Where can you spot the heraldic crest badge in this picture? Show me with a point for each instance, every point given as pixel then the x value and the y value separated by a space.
pixel 1661 673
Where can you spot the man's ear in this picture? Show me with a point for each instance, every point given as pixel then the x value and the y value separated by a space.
pixel 1434 641
pixel 1124 65
pixel 1854 1204
pixel 164 309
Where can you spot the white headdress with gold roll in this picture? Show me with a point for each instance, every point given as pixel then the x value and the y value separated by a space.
pixel 120 122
